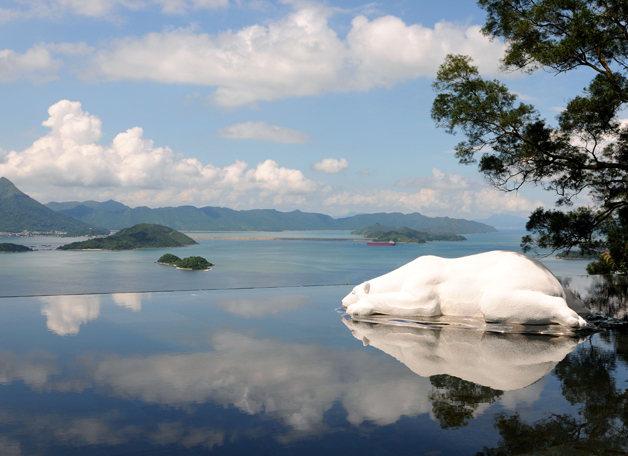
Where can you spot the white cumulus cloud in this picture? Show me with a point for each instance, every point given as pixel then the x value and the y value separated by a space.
pixel 440 181
pixel 37 63
pixel 184 6
pixel 466 202
pixel 70 156
pixel 261 131
pixel 19 9
pixel 298 55
pixel 331 166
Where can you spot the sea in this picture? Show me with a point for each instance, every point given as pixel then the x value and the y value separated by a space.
pixel 247 259
pixel 109 353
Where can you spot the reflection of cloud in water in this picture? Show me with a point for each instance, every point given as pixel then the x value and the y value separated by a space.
pixel 288 381
pixel 35 371
pixel 169 433
pixel 9 447
pixel 93 431
pixel 66 314
pixel 499 361
pixel 257 308
pixel 512 399
pixel 132 301
pixel 382 398
pixel 292 382
pixel 108 428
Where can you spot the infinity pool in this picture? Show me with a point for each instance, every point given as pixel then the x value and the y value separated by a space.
pixel 280 371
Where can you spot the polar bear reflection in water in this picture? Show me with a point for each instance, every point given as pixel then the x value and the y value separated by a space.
pixel 498 286
pixel 503 362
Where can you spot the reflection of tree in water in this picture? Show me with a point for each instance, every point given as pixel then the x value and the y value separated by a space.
pixel 609 296
pixel 601 423
pixel 455 400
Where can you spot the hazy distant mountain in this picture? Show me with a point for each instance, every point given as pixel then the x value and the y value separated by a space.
pixel 86 207
pixel 20 212
pixel 505 222
pixel 113 215
pixel 203 219
pixel 415 221
pixel 348 214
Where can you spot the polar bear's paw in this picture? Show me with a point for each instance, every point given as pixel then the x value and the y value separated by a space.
pixel 577 322
pixel 361 307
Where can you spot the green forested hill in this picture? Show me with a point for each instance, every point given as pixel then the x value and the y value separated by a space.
pixel 19 212
pixel 194 263
pixel 8 247
pixel 405 235
pixel 141 236
pixel 369 230
pixel 114 216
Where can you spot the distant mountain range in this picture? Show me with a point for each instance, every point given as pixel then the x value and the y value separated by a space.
pixel 19 212
pixel 114 216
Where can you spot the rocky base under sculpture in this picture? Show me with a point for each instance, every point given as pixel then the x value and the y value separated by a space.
pixel 499 286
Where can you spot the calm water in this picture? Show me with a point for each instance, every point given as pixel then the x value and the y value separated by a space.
pixel 239 264
pixel 277 371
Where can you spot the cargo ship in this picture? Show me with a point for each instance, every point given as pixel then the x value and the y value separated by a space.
pixel 382 243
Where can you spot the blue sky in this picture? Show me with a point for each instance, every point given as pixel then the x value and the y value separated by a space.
pixel 293 104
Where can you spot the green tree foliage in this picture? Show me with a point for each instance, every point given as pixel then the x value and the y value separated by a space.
pixel 615 257
pixel 169 258
pixel 588 378
pixel 454 401
pixel 586 152
pixel 404 235
pixel 9 247
pixel 608 295
pixel 194 262
pixel 141 236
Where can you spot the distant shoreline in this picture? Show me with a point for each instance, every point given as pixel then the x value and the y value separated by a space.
pixel 251 231
pixel 301 239
pixel 276 239
pixel 125 250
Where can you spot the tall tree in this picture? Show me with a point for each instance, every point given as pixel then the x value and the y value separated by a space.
pixel 586 152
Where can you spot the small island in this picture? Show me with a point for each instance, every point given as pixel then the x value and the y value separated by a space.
pixel 141 236
pixel 404 235
pixel 573 255
pixel 9 248
pixel 194 263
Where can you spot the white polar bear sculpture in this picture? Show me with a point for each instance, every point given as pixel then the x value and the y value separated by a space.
pixel 498 286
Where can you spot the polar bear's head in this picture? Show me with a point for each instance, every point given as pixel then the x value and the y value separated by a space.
pixel 358 292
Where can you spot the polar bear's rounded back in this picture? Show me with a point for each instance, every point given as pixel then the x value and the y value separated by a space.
pixel 503 268
pixel 500 286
